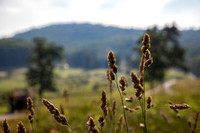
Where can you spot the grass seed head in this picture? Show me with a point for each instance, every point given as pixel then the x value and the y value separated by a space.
pixel 104 103
pixel 21 128
pixel 112 60
pixel 31 109
pixel 115 68
pixel 53 110
pixel 137 107
pixel 101 120
pixel 179 106
pixel 148 63
pixel 92 126
pixel 170 102
pixel 130 99
pixel 134 78
pixel 149 99
pixel 111 75
pixel 5 127
pixel 123 83
pixel 146 41
pixel 111 57
pixel 147 54
pixel 114 107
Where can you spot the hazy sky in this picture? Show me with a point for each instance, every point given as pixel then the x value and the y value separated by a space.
pixel 20 15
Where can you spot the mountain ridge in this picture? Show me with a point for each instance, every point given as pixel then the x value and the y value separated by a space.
pixel 96 40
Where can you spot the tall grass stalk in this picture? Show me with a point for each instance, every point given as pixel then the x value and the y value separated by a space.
pixel 122 102
pixel 144 107
pixel 70 128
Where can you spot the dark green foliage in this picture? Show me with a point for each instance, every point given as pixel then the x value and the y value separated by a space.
pixel 89 41
pixel 166 52
pixel 40 73
pixel 14 53
pixel 195 65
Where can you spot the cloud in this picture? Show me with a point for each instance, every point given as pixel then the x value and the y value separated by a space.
pixel 17 15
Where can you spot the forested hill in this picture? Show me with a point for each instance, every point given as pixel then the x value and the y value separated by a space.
pixel 87 42
pixel 77 36
pixel 76 33
pixel 86 45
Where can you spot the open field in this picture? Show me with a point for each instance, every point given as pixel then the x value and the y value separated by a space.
pixel 84 99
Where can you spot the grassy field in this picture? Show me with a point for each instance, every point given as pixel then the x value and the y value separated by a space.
pixel 84 88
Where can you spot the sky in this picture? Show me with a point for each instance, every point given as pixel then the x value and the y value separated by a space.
pixel 21 15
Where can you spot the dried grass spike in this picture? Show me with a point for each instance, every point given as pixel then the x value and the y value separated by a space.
pixel 31 109
pixel 5 127
pixel 146 41
pixel 92 126
pixel 115 68
pixel 53 110
pixel 149 99
pixel 21 128
pixel 148 63
pixel 101 120
pixel 114 107
pixel 111 57
pixel 111 75
pixel 179 106
pixel 134 78
pixel 130 99
pixel 123 83
pixel 170 102
pixel 30 105
pixel 137 107
pixel 104 103
pixel 147 54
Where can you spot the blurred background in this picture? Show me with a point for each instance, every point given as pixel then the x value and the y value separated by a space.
pixel 58 49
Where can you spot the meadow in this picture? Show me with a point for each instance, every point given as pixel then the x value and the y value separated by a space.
pixel 84 89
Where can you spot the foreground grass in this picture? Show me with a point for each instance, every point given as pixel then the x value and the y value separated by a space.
pixel 84 100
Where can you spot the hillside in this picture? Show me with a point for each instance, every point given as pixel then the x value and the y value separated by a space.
pixel 83 42
pixel 66 34
pixel 91 43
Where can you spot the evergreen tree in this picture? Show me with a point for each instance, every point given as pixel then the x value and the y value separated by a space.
pixel 40 73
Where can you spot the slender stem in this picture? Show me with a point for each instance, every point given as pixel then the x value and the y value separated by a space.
pixel 32 127
pixel 144 107
pixel 110 104
pixel 70 128
pixel 113 123
pixel 116 81
pixel 101 129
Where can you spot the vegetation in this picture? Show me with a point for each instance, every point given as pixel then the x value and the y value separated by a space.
pixel 83 101
pixel 119 108
pixel 14 53
pixel 166 52
pixel 40 73
pixel 92 43
pixel 132 118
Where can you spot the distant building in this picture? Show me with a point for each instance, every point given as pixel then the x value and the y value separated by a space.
pixel 3 74
pixel 62 65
